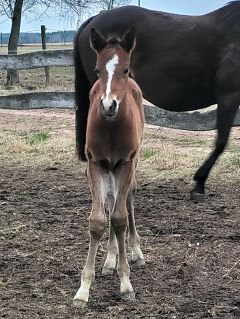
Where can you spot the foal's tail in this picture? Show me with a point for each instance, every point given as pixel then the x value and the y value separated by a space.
pixel 82 88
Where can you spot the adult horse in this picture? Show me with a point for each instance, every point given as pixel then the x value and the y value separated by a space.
pixel 181 63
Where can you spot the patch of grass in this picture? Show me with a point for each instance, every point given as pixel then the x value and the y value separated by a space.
pixel 187 141
pixel 213 312
pixel 37 138
pixel 234 159
pixel 13 229
pixel 34 149
pixel 148 152
pixel 230 161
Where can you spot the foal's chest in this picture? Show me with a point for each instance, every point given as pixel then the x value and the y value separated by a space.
pixel 112 141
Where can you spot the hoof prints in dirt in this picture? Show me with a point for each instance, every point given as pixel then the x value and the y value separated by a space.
pixel 192 250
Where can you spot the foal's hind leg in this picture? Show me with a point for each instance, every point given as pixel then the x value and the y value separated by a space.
pixel 134 239
pixel 119 220
pixel 226 112
pixel 97 223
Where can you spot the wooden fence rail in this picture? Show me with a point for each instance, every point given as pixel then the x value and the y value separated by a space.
pixel 49 58
pixel 37 59
pixel 196 121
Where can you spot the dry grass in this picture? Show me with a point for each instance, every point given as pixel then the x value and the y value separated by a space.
pixel 177 154
pixel 16 149
pixel 26 48
pixel 166 153
pixel 61 78
pixel 191 250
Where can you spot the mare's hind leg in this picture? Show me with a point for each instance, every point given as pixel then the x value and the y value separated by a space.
pixel 112 247
pixel 97 223
pixel 134 239
pixel 226 112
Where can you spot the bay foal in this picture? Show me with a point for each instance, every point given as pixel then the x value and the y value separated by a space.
pixel 114 134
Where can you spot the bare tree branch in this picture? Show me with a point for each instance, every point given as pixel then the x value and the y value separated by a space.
pixel 110 4
pixel 14 9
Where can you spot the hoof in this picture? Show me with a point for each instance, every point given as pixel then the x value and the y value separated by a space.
pixel 107 271
pixel 128 296
pixel 78 303
pixel 198 197
pixel 138 262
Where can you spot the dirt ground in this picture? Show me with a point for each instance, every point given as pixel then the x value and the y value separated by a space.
pixel 192 250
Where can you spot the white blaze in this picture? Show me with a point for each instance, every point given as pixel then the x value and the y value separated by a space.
pixel 110 67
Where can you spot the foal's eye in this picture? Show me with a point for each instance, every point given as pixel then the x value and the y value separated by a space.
pixel 126 71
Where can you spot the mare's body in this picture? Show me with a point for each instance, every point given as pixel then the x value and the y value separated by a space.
pixel 181 63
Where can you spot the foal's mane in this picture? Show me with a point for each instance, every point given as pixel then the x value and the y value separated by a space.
pixel 113 41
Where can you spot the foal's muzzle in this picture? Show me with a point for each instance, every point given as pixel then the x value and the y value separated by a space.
pixel 109 107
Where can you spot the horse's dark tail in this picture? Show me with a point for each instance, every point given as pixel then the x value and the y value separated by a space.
pixel 82 88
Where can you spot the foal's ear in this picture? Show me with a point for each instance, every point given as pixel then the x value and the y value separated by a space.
pixel 128 40
pixel 97 41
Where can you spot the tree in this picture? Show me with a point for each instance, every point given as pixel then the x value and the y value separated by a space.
pixel 14 9
pixel 80 7
pixel 110 4
pixel 75 8
pixel 12 75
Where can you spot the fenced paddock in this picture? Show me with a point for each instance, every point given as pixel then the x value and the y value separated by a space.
pixel 192 250
pixel 33 79
pixel 63 58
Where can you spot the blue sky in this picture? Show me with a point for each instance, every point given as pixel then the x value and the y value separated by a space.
pixel 191 7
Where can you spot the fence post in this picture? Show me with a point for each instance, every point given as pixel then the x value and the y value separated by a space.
pixel 44 47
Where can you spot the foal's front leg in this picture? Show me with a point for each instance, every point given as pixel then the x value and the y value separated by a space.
pixel 119 220
pixel 97 224
pixel 112 246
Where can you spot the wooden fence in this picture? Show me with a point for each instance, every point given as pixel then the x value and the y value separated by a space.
pixel 37 59
pixel 36 100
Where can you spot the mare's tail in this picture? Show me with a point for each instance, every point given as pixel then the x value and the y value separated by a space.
pixel 82 88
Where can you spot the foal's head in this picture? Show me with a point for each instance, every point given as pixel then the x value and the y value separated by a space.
pixel 112 68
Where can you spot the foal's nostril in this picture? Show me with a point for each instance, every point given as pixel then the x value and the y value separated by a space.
pixel 113 106
pixel 109 106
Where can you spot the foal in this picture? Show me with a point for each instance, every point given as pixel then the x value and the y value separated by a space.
pixel 113 139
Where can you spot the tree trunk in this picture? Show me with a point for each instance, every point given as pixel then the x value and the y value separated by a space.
pixel 110 4
pixel 12 75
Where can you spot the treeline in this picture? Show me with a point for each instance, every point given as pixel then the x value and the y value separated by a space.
pixel 35 37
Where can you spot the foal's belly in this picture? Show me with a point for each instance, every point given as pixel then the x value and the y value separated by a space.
pixel 111 153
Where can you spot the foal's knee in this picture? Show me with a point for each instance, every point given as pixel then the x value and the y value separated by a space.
pixel 119 222
pixel 97 225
